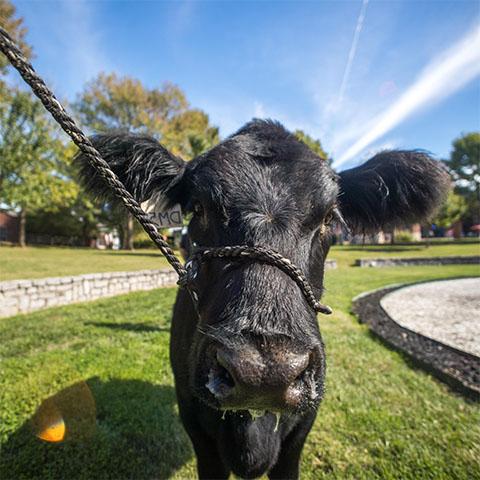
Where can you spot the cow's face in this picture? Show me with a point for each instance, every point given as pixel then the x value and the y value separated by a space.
pixel 257 344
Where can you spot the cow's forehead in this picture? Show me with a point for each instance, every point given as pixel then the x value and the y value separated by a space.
pixel 246 171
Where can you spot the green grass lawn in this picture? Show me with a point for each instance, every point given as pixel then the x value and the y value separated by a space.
pixel 347 254
pixel 382 418
pixel 39 262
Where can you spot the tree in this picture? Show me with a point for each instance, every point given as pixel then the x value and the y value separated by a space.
pixel 189 133
pixel 33 167
pixel 452 210
pixel 464 162
pixel 314 145
pixel 111 102
pixel 78 221
pixel 14 26
pixel 464 165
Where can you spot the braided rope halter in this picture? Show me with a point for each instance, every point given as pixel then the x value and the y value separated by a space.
pixel 185 273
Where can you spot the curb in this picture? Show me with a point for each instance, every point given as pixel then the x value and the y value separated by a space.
pixel 458 369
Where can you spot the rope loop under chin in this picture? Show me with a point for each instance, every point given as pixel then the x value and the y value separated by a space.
pixel 256 254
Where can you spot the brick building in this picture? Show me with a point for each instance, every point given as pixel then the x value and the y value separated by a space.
pixel 9 226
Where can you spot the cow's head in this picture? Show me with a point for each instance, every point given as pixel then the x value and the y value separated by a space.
pixel 257 343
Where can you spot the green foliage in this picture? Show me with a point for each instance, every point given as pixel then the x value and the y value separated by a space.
pixel 79 220
pixel 189 134
pixel 15 27
pixel 403 236
pixel 34 166
pixel 465 161
pixel 312 143
pixel 142 239
pixel 381 418
pixel 112 102
pixel 452 210
pixel 464 164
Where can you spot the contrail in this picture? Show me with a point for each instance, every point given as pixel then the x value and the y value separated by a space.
pixel 353 51
pixel 445 75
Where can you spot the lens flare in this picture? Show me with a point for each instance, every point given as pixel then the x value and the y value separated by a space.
pixel 55 432
pixel 68 415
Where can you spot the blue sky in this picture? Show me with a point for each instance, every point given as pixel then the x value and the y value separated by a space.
pixel 360 75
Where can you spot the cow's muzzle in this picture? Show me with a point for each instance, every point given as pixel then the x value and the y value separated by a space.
pixel 274 379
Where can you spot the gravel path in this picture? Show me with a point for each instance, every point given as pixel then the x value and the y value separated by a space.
pixel 447 311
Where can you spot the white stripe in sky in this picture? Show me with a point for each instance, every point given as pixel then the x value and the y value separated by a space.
pixel 449 72
pixel 353 51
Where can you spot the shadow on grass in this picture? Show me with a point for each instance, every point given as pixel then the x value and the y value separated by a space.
pixel 135 433
pixel 131 327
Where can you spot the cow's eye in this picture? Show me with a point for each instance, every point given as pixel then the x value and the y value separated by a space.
pixel 197 209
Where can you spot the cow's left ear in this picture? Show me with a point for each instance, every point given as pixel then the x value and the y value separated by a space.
pixel 393 188
pixel 141 163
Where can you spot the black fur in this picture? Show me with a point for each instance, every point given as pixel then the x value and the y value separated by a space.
pixel 140 162
pixel 262 186
pixel 394 188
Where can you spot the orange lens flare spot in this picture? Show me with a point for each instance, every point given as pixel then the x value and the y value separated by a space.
pixel 70 414
pixel 54 432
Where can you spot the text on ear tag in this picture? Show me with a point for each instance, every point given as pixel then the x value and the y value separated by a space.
pixel 160 215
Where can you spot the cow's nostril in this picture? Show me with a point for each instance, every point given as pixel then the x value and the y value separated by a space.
pixel 220 381
pixel 301 376
pixel 225 376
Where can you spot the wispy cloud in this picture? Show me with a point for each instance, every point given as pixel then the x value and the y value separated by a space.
pixel 449 72
pixel 352 52
pixel 183 16
pixel 259 110
pixel 69 43
pixel 86 58
pixel 389 144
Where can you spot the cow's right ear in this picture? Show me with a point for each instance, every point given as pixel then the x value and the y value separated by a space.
pixel 140 162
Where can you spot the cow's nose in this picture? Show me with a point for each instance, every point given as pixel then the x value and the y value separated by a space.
pixel 246 379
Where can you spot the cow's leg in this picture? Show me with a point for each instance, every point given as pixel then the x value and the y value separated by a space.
pixel 288 463
pixel 209 462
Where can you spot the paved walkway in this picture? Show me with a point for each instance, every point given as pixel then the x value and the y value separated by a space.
pixel 447 311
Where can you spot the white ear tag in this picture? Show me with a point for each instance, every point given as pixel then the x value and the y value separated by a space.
pixel 160 215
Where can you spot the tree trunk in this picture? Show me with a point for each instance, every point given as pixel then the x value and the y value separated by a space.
pixel 392 238
pixel 127 241
pixel 86 235
pixel 22 228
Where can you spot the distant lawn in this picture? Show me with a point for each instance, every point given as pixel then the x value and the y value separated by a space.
pixel 39 262
pixel 347 254
pixel 381 418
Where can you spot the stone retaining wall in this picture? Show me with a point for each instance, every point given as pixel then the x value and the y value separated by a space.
pixel 403 262
pixel 330 264
pixel 22 296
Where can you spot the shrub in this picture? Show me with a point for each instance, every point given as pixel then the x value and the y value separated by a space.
pixel 403 236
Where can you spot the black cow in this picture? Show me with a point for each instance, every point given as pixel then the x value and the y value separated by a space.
pixel 250 364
